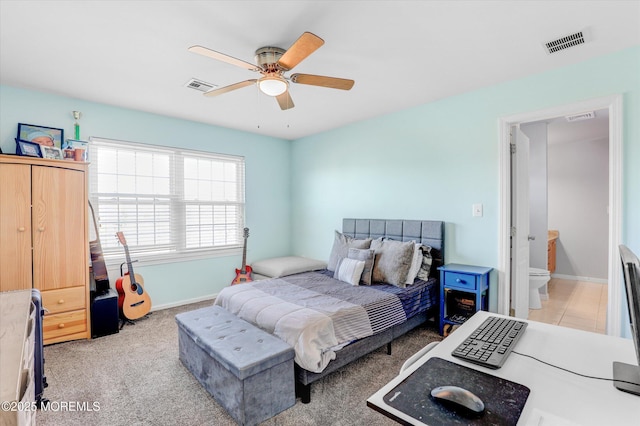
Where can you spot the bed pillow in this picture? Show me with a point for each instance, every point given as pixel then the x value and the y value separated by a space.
pixel 427 261
pixel 416 262
pixel 369 257
pixel 393 260
pixel 349 270
pixel 288 265
pixel 341 245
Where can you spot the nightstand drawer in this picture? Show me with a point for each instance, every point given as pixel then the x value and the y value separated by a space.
pixel 458 280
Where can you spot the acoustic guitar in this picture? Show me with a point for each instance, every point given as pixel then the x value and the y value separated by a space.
pixel 243 275
pixel 133 300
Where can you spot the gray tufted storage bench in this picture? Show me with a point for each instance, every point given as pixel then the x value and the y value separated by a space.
pixel 247 370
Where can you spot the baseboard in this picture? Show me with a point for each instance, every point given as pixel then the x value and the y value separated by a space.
pixel 183 302
pixel 575 278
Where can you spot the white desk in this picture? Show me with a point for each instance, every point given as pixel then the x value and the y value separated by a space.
pixel 563 395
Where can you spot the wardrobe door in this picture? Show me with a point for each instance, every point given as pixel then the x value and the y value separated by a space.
pixel 15 227
pixel 59 204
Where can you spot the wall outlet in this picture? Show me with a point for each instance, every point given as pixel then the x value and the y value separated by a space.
pixel 477 210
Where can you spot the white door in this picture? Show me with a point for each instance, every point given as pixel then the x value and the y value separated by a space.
pixel 519 223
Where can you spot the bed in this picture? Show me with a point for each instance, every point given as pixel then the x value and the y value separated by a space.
pixel 331 323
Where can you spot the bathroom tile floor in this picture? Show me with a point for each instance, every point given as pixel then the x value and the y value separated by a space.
pixel 574 304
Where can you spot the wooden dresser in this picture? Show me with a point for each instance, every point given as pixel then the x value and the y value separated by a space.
pixel 17 339
pixel 45 242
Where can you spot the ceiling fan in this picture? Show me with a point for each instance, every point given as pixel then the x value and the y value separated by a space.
pixel 272 63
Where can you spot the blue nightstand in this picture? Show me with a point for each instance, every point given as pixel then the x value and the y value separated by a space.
pixel 464 289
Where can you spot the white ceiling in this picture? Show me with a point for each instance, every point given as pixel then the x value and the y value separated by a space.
pixel 134 54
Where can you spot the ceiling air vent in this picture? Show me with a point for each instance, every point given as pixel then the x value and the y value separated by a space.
pixel 563 43
pixel 581 116
pixel 199 85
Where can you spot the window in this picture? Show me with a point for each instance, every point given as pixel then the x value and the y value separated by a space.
pixel 168 202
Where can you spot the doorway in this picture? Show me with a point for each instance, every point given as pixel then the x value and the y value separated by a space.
pixel 514 289
pixel 568 196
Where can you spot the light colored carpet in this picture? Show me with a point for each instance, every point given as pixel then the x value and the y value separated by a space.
pixel 136 378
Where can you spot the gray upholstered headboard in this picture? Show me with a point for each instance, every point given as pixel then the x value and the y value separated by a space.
pixel 428 232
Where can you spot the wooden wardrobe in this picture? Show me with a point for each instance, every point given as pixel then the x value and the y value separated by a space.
pixel 44 240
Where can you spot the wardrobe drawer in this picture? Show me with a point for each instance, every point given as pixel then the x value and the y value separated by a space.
pixel 56 325
pixel 64 299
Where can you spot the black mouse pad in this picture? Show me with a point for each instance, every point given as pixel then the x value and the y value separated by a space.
pixel 503 399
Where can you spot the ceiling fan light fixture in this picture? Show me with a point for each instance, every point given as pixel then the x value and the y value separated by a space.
pixel 273 85
pixel 272 63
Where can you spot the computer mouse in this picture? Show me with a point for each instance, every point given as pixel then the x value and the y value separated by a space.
pixel 458 399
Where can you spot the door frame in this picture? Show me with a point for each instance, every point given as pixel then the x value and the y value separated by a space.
pixel 520 215
pixel 615 106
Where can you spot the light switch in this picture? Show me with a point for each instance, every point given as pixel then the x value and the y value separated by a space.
pixel 477 210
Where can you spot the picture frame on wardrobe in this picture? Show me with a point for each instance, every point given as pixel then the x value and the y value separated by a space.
pixel 28 149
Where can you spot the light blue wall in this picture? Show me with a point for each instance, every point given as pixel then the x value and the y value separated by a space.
pixel 436 160
pixel 267 178
pixel 429 162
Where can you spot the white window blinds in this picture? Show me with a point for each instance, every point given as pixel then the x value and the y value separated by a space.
pixel 166 201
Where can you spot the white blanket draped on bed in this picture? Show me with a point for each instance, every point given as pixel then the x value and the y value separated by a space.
pixel 313 313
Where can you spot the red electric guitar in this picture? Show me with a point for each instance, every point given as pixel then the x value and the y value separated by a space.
pixel 133 301
pixel 243 275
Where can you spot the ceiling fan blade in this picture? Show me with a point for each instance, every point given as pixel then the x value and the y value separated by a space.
pixel 304 46
pixel 285 101
pixel 225 89
pixel 200 50
pixel 320 80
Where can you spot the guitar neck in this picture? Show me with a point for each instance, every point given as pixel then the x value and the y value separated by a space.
pixel 244 257
pixel 132 275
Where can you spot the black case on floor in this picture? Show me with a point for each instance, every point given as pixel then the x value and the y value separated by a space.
pixel 38 353
pixel 104 314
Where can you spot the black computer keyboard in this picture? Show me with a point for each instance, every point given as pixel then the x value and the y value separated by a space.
pixel 492 342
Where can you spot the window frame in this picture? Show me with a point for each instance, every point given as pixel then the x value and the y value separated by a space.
pixel 177 252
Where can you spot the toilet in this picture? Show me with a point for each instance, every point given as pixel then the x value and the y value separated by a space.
pixel 537 279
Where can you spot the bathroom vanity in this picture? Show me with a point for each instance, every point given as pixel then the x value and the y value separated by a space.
pixel 552 237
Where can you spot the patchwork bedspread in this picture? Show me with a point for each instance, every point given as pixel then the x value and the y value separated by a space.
pixel 314 313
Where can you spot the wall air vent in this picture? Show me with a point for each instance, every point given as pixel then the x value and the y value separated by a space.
pixel 199 85
pixel 581 116
pixel 563 43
